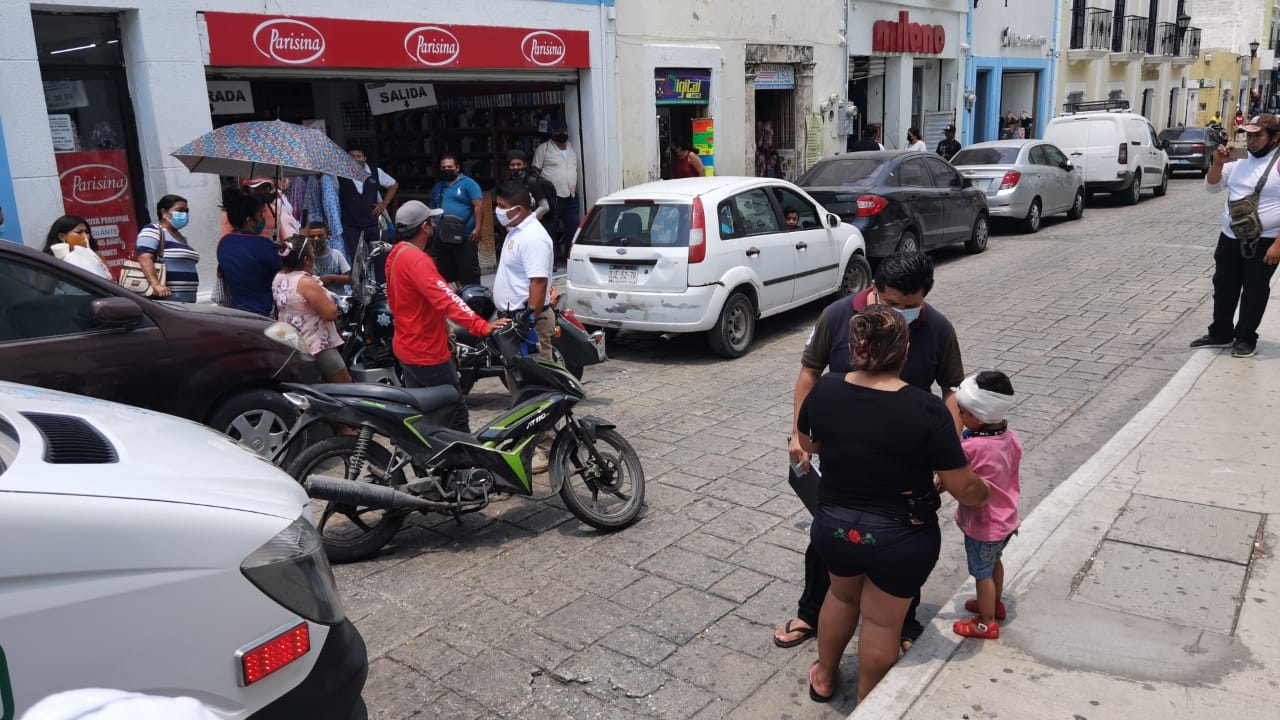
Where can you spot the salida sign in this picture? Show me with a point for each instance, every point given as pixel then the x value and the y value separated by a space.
pixel 904 36
pixel 244 40
pixel 95 186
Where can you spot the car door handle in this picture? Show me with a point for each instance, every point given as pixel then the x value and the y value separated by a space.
pixel 802 245
pixel 753 252
pixel 1077 154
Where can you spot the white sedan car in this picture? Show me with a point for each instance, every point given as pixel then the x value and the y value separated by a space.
pixel 147 553
pixel 709 254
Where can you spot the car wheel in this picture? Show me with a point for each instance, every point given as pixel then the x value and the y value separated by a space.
pixel 977 241
pixel 908 242
pixel 1077 207
pixel 735 327
pixel 257 419
pixel 1134 193
pixel 1163 187
pixel 857 275
pixel 1031 223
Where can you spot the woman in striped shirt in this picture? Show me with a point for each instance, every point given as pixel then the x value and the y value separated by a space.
pixel 181 280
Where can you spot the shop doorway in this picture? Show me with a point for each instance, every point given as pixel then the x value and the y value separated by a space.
pixel 866 91
pixel 983 130
pixel 675 122
pixel 1018 93
pixel 775 134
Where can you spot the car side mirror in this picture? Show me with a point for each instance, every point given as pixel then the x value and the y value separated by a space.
pixel 833 220
pixel 1068 165
pixel 116 312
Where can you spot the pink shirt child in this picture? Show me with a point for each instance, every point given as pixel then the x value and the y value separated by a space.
pixel 995 459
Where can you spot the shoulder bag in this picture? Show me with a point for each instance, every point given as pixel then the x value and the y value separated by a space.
pixel 134 279
pixel 1245 223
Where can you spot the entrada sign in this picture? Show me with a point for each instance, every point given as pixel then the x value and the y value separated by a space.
pixel 904 36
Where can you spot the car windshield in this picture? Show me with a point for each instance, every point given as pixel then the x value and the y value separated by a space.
pixel 1183 133
pixel 986 156
pixel 637 224
pixel 846 171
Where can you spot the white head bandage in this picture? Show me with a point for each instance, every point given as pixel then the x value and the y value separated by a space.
pixel 989 407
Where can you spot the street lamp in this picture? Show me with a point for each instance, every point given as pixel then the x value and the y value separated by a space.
pixel 1253 49
pixel 1183 21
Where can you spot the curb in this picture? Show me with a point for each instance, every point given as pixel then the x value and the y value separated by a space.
pixel 1023 560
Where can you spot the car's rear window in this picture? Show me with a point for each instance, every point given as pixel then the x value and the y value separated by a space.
pixel 845 171
pixel 1183 133
pixel 987 156
pixel 637 225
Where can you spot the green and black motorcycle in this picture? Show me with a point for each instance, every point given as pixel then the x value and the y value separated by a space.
pixel 404 458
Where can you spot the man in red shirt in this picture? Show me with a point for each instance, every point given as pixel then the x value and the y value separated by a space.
pixel 420 301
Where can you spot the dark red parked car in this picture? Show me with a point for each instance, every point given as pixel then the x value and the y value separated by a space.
pixel 65 329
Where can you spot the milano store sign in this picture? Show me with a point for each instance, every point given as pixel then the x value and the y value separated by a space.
pixel 240 40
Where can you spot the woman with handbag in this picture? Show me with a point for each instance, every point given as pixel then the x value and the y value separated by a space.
pixel 166 258
pixel 302 301
pixel 71 240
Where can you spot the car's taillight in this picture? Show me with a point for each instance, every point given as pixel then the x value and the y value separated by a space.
pixel 1198 147
pixel 573 319
pixel 697 233
pixel 870 205
pixel 1010 180
pixel 1123 156
pixel 272 655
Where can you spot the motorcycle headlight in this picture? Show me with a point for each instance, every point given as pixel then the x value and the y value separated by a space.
pixel 285 334
pixel 291 569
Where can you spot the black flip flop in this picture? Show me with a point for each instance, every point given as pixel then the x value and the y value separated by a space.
pixel 813 694
pixel 805 634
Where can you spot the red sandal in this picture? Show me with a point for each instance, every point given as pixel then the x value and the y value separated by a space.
pixel 974 628
pixel 972 606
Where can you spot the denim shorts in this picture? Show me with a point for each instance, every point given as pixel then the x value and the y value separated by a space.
pixel 894 555
pixel 984 555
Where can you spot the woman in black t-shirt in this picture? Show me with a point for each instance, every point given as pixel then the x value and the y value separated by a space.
pixel 881 441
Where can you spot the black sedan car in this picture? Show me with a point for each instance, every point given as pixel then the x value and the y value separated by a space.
pixel 901 200
pixel 1190 149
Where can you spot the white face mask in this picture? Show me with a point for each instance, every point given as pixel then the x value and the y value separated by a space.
pixel 503 215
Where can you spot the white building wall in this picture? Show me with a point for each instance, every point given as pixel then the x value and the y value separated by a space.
pixel 677 33
pixel 165 55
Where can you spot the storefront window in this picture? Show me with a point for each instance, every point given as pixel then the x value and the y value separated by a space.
pixel 92 126
pixel 683 96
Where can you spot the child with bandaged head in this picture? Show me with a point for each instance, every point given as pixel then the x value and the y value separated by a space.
pixel 994 453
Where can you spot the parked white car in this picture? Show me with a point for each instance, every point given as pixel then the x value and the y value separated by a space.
pixel 147 553
pixel 709 254
pixel 1118 152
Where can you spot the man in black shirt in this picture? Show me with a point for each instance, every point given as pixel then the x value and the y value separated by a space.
pixel 901 282
pixel 948 146
pixel 867 141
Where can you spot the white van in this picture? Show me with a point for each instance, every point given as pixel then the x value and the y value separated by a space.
pixel 147 553
pixel 1118 152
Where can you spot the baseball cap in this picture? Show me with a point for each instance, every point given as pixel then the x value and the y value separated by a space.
pixel 256 181
pixel 516 155
pixel 411 215
pixel 1265 121
pixel 949 129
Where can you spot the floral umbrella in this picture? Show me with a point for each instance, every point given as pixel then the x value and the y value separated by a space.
pixel 268 148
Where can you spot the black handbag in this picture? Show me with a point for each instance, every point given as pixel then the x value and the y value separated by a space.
pixel 451 229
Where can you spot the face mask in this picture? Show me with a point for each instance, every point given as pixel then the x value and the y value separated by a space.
pixel 560 137
pixel 908 314
pixel 259 226
pixel 448 175
pixel 78 239
pixel 1265 151
pixel 503 215
pixel 519 174
pixel 178 220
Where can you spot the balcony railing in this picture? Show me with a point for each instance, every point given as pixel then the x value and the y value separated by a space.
pixel 1091 29
pixel 1190 46
pixel 1166 39
pixel 1131 35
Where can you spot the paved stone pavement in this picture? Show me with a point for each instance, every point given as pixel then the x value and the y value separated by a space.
pixel 521 611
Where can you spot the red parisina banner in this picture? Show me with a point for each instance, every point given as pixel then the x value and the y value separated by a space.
pixel 95 186
pixel 243 40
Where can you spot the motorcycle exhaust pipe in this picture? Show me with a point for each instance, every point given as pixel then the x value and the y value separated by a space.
pixel 346 492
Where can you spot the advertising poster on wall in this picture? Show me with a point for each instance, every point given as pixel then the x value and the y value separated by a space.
pixel 95 186
pixel 704 142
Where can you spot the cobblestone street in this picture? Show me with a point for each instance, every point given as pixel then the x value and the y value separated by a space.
pixel 521 611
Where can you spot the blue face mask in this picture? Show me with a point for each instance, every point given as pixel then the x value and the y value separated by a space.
pixel 908 314
pixel 179 220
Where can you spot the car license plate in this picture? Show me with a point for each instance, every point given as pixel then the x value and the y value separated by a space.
pixel 624 274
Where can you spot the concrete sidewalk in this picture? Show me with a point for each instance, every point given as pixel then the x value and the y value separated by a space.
pixel 1143 586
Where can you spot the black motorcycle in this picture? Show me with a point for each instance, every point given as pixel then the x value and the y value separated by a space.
pixel 572 346
pixel 404 458
pixel 365 320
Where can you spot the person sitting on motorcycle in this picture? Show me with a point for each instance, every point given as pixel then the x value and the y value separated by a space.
pixel 524 272
pixel 420 301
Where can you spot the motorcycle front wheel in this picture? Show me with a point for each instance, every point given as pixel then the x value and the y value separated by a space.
pixel 606 491
pixel 349 532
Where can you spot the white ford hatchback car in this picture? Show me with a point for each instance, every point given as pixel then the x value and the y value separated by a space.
pixel 709 254
pixel 147 553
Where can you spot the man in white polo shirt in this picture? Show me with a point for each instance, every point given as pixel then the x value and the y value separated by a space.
pixel 528 255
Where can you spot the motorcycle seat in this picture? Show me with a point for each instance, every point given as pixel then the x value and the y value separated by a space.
pixel 424 399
